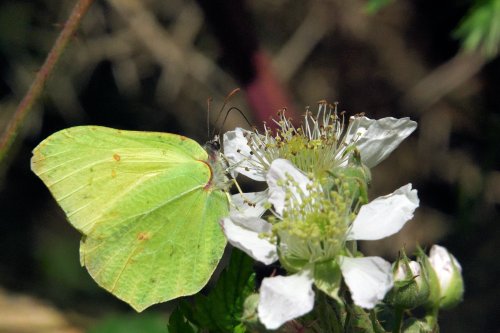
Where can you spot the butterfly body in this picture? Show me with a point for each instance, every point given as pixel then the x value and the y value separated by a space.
pixel 147 204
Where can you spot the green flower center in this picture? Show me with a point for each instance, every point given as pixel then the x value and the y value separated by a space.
pixel 313 227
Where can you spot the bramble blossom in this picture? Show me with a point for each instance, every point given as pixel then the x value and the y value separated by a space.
pixel 309 230
pixel 320 145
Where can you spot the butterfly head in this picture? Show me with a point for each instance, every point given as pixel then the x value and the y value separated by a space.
pixel 218 165
pixel 213 146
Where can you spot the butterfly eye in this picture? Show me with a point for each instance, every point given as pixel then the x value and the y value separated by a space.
pixel 216 145
pixel 212 146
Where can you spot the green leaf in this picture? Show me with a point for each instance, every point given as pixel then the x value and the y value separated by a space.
pixel 146 205
pixel 222 309
pixel 178 324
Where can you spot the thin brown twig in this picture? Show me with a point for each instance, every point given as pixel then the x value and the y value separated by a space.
pixel 38 84
pixel 442 80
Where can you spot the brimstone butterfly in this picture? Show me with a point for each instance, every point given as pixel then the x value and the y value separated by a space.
pixel 148 205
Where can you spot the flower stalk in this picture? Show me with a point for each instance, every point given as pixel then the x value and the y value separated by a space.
pixel 398 319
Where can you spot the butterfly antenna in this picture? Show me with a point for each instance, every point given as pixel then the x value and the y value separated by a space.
pixel 234 108
pixel 226 100
pixel 208 116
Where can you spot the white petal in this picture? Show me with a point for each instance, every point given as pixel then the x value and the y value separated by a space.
pixel 238 154
pixel 376 139
pixel 250 204
pixel 280 171
pixel 283 298
pixel 243 233
pixel 368 279
pixel 442 262
pixel 401 273
pixel 385 215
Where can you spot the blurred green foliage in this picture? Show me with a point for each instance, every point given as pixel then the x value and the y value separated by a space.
pixel 131 323
pixel 480 28
pixel 374 6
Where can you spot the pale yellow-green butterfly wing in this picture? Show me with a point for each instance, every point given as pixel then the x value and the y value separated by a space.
pixel 144 204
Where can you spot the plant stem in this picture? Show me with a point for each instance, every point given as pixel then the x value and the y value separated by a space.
pixel 398 320
pixel 431 316
pixel 38 84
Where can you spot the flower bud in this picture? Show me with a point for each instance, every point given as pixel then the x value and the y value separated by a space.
pixel 250 317
pixel 250 309
pixel 355 177
pixel 448 274
pixel 411 289
pixel 414 325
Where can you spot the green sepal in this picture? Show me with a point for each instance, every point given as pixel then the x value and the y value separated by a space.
pixel 432 279
pixel 327 278
pixel 405 294
pixel 355 177
pixel 413 325
pixel 290 264
pixel 455 291
pixel 359 321
pixel 222 309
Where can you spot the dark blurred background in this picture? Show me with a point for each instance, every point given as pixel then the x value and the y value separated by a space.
pixel 152 65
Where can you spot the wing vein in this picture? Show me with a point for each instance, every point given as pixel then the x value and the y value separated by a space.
pixel 144 214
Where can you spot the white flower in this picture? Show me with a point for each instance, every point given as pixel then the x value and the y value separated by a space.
pixel 309 232
pixel 320 145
